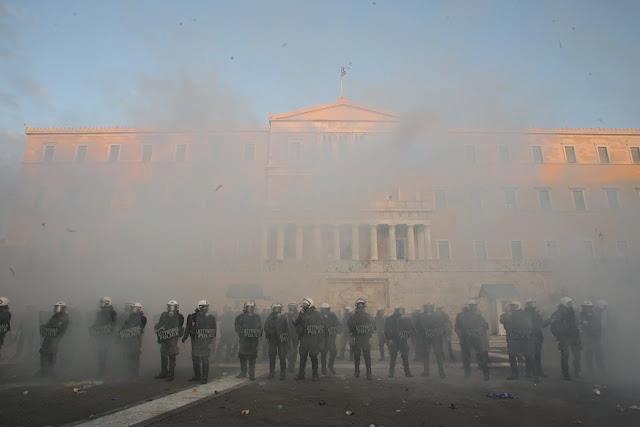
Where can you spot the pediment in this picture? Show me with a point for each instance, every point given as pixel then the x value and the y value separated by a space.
pixel 343 110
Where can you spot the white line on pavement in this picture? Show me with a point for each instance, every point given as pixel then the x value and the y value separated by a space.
pixel 148 410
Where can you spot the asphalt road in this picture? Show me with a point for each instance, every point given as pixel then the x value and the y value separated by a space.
pixel 418 401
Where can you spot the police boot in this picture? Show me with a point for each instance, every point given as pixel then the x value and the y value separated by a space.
pixel 302 369
pixel 407 370
pixel 356 371
pixel 172 368
pixel 196 370
pixel 163 368
pixel 252 369
pixel 369 374
pixel 243 368
pixel 441 372
pixel 272 367
pixel 205 372
pixel 392 367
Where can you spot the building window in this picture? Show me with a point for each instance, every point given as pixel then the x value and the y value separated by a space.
pixel 544 195
pixel 537 154
pixel 444 251
pixel 295 150
pixel 603 155
pixel 181 152
pixel 114 153
pixel 400 249
pixel 570 153
pixel 147 152
pixel 612 198
pixel 441 199
pixel 516 250
pixel 49 152
pixel 505 155
pixel 510 199
pixel 470 153
pixel 579 203
pixel 622 248
pixel 550 249
pixel 635 155
pixel 480 249
pixel 81 153
pixel 250 151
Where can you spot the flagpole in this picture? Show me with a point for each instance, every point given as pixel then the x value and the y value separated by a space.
pixel 341 88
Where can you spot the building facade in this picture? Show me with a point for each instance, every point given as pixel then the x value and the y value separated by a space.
pixel 336 201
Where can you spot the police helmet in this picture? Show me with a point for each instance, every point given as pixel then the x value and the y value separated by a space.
pixel 137 307
pixel 106 302
pixel 566 301
pixel 276 307
pixel 361 301
pixel 325 305
pixel 587 303
pixel 60 306
pixel 4 302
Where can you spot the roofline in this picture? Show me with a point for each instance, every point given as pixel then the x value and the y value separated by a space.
pixel 341 101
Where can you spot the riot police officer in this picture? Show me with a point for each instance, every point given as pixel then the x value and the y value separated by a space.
pixel 292 347
pixel 345 336
pixel 5 319
pixel 537 337
pixel 52 332
pixel 249 329
pixel 591 325
pixel 471 329
pixel 432 328
pixel 517 323
pixel 130 337
pixel 564 326
pixel 102 331
pixel 448 329
pixel 398 329
pixel 201 329
pixel 311 334
pixel 168 331
pixel 276 331
pixel 361 327
pixel 332 328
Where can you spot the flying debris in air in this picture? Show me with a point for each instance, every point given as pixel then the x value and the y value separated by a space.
pixel 44 223
pixel 231 58
pixel 560 44
pixel 71 230
pixel 13 272
pixel 284 44
pixel 218 187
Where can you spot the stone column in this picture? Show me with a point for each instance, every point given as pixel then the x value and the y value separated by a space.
pixel 280 242
pixel 355 242
pixel 264 242
pixel 373 238
pixel 299 241
pixel 317 239
pixel 427 242
pixel 420 239
pixel 411 243
pixel 336 241
pixel 392 242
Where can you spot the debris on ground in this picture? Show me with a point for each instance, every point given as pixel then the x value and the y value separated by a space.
pixel 634 407
pixel 452 406
pixel 503 395
pixel 322 403
pixel 348 412
pixel 25 392
pixel 83 384
pixel 245 412
pixel 597 391
pixel 398 411
pixel 279 406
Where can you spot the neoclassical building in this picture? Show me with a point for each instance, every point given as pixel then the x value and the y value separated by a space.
pixel 336 201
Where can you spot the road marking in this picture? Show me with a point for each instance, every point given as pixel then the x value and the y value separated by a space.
pixel 148 410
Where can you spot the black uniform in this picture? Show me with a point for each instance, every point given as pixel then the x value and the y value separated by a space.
pixel 345 337
pixel 591 325
pixel 432 328
pixel 168 330
pixel 537 337
pixel 5 323
pixel 361 327
pixel 398 330
pixel 332 327
pixel 201 329
pixel 102 335
pixel 311 334
pixel 517 323
pixel 276 331
pixel 380 322
pixel 228 339
pixel 52 332
pixel 564 326
pixel 249 330
pixel 292 345
pixel 417 339
pixel 130 338
pixel 472 333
